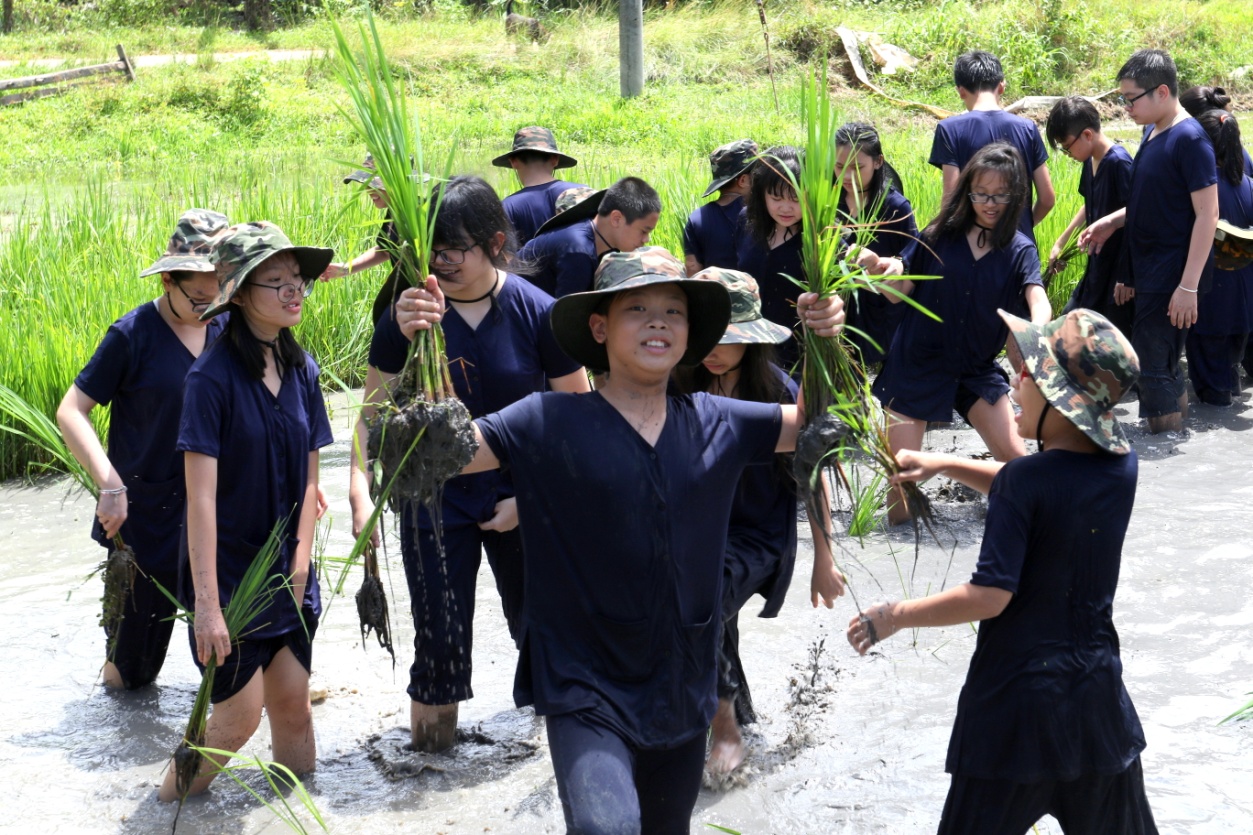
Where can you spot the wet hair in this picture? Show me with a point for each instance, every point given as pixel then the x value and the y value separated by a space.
pixel 1197 100
pixel 631 196
pixel 287 351
pixel 471 212
pixel 1070 117
pixel 1151 68
pixel 770 177
pixel 863 138
pixel 957 214
pixel 1224 133
pixel 978 71
pixel 531 156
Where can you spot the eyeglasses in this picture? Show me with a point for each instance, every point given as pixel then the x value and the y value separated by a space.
pixel 1066 148
pixel 452 255
pixel 288 293
pixel 196 306
pixel 998 199
pixel 1126 101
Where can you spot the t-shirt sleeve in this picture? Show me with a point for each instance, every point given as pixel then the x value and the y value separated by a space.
pixel 1005 538
pixel 1197 163
pixel 1039 154
pixel 692 244
pixel 942 153
pixel 320 434
pixel 507 430
pixel 555 362
pixel 756 425
pixel 1027 265
pixel 573 273
pixel 388 346
pixel 204 407
pixel 104 373
pixel 1122 182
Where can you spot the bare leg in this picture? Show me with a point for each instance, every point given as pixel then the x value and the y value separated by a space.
pixel 291 718
pixel 903 433
pixel 995 424
pixel 726 751
pixel 231 724
pixel 434 727
pixel 110 677
pixel 1172 422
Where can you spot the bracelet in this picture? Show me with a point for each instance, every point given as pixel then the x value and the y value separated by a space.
pixel 116 491
pixel 1185 289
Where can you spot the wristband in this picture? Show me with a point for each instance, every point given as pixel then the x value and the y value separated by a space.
pixel 1185 289
pixel 115 491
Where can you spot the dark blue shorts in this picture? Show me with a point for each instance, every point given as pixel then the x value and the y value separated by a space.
pixel 248 656
pixel 933 398
pixel 1159 345
pixel 143 637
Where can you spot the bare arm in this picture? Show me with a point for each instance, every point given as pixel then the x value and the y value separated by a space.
pixel 826 583
pixel 919 466
pixel 962 604
pixel 949 175
pixel 1080 218
pixel 1095 236
pixel 73 416
pixel 1045 197
pixel 305 531
pixel 202 548
pixel 1038 303
pixel 1183 304
pixel 375 392
pixel 576 383
pixel 364 261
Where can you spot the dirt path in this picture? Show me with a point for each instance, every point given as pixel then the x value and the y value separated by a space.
pixel 141 61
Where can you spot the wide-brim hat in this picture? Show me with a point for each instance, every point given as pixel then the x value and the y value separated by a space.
pixel 747 325
pixel 730 161
pixel 366 175
pixel 1082 365
pixel 585 208
pixel 243 247
pixel 708 305
pixel 191 243
pixel 1233 246
pixel 535 138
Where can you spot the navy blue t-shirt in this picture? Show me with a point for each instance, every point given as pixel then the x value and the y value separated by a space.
pixel 1227 309
pixel 624 551
pixel 512 353
pixel 1165 172
pixel 262 445
pixel 1103 193
pixel 710 234
pixel 771 268
pixel 1044 698
pixel 564 260
pixel 874 313
pixel 530 207
pixel 960 137
pixel 138 371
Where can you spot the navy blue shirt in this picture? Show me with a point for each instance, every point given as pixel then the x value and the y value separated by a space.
pixel 512 353
pixel 960 137
pixel 1044 698
pixel 262 445
pixel 874 313
pixel 530 207
pixel 564 260
pixel 624 551
pixel 771 268
pixel 1227 309
pixel 1166 170
pixel 1105 192
pixel 711 232
pixel 138 370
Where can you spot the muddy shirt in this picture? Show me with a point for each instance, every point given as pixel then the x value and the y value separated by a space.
pixel 138 371
pixel 624 568
pixel 960 137
pixel 772 268
pixel 562 261
pixel 1104 192
pixel 262 445
pixel 711 234
pixel 1044 698
pixel 530 207
pixel 512 353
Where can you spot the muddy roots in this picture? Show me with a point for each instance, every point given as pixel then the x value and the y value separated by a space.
pixel 372 612
pixel 821 437
pixel 187 764
pixel 444 436
pixel 119 581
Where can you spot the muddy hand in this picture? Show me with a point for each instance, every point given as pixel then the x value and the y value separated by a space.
pixel 505 517
pixel 111 510
pixel 915 466
pixel 360 518
pixel 211 636
pixel 420 307
pixel 825 317
pixel 871 626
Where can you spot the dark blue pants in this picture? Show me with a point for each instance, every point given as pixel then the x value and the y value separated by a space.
pixel 142 639
pixel 609 787
pixel 1214 366
pixel 1159 345
pixel 441 593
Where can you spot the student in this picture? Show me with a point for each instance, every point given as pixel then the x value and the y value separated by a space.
pixel 870 194
pixel 980 84
pixel 138 371
pixel 761 542
pixel 253 421
pixel 1216 343
pixel 1170 218
pixel 984 263
pixel 565 251
pixel 1044 723
pixel 384 245
pixel 501 348
pixel 1199 99
pixel 1104 183
pixel 634 489
pixel 534 157
pixel 709 236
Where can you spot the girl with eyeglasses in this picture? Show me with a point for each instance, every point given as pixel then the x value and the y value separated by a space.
pixel 500 349
pixel 982 262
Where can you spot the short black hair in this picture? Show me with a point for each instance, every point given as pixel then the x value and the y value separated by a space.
pixel 1151 68
pixel 470 212
pixel 1070 117
pixel 631 196
pixel 1197 100
pixel 978 71
pixel 529 156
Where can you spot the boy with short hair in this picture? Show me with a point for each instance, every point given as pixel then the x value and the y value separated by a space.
pixel 1171 214
pixel 709 236
pixel 564 253
pixel 980 83
pixel 1104 184
pixel 534 157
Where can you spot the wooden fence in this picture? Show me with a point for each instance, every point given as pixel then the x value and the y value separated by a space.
pixel 43 83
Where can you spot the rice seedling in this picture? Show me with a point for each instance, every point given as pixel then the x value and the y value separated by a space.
pixel 280 779
pixel 1066 258
pixel 1243 714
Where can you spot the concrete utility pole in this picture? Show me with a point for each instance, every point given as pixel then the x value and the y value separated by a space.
pixel 6 22
pixel 630 47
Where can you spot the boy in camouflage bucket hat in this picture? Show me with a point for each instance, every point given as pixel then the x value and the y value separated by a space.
pixel 534 157
pixel 191 243
pixel 245 246
pixel 710 234
pixel 1046 665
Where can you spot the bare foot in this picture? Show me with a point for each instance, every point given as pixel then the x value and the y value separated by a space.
pixel 726 751
pixel 433 727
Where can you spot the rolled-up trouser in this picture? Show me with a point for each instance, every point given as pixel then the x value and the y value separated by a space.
pixel 1159 345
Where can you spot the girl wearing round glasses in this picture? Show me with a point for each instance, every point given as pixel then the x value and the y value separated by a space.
pixel 500 348
pixel 983 263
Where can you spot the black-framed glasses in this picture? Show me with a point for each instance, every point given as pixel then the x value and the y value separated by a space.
pixel 288 293
pixel 196 306
pixel 998 199
pixel 452 255
pixel 1066 148
pixel 1126 101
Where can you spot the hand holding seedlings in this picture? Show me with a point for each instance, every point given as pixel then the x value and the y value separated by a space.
pixel 418 308
pixel 213 641
pixel 111 510
pixel 825 317
pixel 871 626
pixel 1094 237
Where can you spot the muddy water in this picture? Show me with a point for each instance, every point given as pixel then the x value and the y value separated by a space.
pixel 845 744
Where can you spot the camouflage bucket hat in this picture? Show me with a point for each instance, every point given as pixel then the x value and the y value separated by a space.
pixel 730 161
pixel 1233 246
pixel 709 306
pixel 366 175
pixel 573 205
pixel 1082 365
pixel 535 138
pixel 747 326
pixel 243 247
pixel 191 243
